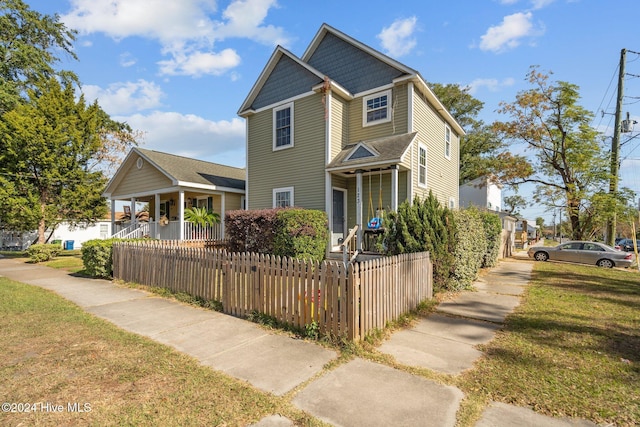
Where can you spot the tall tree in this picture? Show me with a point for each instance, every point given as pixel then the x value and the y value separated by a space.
pixel 567 153
pixel 480 147
pixel 48 146
pixel 514 203
pixel 29 45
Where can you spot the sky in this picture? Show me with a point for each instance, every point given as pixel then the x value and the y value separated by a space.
pixel 178 70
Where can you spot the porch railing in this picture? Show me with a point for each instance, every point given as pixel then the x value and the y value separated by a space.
pixel 171 231
pixel 349 249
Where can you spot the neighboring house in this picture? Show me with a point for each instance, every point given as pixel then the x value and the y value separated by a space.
pixel 347 130
pixel 484 192
pixel 509 234
pixel 528 227
pixel 73 237
pixel 169 184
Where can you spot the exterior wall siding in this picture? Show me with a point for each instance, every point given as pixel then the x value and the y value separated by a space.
pixel 141 180
pixel 301 167
pixel 442 173
pixel 375 195
pixel 339 125
pixel 397 126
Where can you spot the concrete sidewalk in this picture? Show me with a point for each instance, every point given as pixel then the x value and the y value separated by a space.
pixel 357 393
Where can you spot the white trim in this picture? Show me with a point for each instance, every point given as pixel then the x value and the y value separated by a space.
pixel 410 89
pixel 449 143
pixel 374 90
pixel 246 171
pixel 426 165
pixel 275 110
pixel 345 200
pixel 365 165
pixel 388 93
pixel 452 203
pixel 275 104
pixel 371 150
pixel 187 185
pixel 282 190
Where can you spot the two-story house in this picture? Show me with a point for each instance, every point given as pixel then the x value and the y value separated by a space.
pixel 348 130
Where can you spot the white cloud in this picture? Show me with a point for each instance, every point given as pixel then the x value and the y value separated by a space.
pixel 397 39
pixel 192 136
pixel 185 29
pixel 126 97
pixel 199 63
pixel 127 59
pixel 509 33
pixel 539 4
pixel 493 85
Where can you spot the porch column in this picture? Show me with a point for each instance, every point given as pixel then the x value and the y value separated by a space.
pixel 394 188
pixel 223 209
pixel 156 215
pixel 181 214
pixel 133 211
pixel 359 209
pixel 113 216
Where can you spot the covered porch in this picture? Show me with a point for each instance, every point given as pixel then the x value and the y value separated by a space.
pixel 166 186
pixel 366 181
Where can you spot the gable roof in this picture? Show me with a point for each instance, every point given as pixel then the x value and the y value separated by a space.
pixel 183 171
pixel 389 150
pixel 337 60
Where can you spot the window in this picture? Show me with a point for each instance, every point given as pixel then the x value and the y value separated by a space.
pixel 422 165
pixel 283 127
pixel 282 197
pixel 447 142
pixel 376 108
pixel 452 203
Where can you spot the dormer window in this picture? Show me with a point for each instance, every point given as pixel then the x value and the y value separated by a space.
pixel 376 108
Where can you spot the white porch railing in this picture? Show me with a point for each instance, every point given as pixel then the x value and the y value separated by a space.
pixel 170 231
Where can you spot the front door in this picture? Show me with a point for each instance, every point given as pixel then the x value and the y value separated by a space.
pixel 338 216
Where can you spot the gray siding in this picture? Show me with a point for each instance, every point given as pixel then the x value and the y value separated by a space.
pixel 288 79
pixel 301 166
pixel 344 63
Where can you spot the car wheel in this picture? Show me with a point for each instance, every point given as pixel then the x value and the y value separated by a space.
pixel 541 256
pixel 606 263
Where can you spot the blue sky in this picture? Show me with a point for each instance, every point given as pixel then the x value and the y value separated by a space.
pixel 178 70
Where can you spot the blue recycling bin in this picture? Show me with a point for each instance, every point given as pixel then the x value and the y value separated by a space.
pixel 68 245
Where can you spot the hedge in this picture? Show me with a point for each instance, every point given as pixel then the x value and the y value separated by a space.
pixel 97 256
pixel 43 252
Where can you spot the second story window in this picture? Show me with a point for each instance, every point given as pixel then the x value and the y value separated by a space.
pixel 376 108
pixel 447 141
pixel 283 127
pixel 422 165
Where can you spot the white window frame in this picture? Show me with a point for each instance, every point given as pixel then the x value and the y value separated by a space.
pixel 422 146
pixel 447 142
pixel 275 111
pixel 387 119
pixel 283 190
pixel 452 203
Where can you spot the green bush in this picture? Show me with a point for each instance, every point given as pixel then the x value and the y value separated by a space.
pixel 43 252
pixel 493 232
pixel 292 232
pixel 301 233
pixel 97 257
pixel 470 247
pixel 423 226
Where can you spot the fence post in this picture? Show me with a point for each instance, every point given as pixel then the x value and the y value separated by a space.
pixel 353 317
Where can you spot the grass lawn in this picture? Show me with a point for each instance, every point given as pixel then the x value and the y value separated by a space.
pixel 53 352
pixel 572 348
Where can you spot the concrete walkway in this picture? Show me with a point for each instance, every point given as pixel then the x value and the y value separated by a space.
pixel 358 393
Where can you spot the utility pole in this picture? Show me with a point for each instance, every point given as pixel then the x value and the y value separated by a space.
pixel 615 150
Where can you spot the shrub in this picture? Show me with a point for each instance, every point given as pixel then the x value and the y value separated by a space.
pixel 423 226
pixel 493 232
pixel 470 247
pixel 301 233
pixel 43 252
pixel 292 232
pixel 97 257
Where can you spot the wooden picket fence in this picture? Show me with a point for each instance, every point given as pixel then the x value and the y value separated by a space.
pixel 343 300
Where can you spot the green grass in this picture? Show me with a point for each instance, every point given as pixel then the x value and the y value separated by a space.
pixel 67 260
pixel 572 348
pixel 52 351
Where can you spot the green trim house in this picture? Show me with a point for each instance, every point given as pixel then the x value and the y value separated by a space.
pixel 348 130
pixel 170 184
